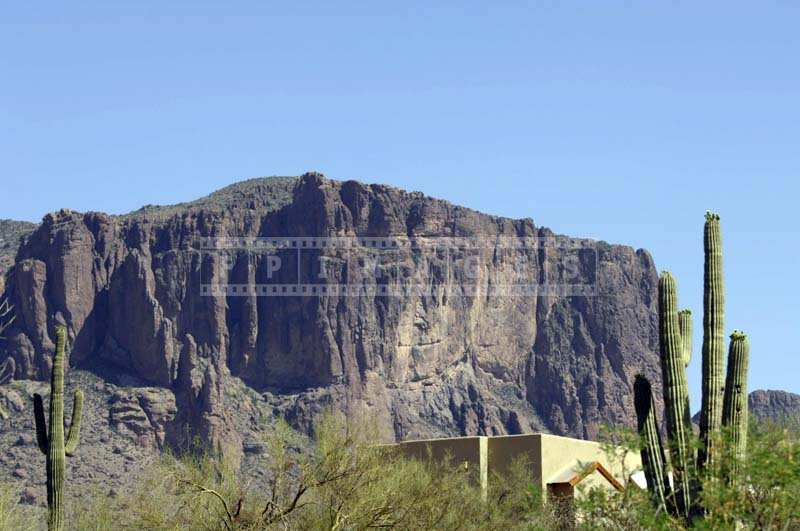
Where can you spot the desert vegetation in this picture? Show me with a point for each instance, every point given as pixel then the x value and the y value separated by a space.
pixel 716 462
pixel 341 479
pixel 732 474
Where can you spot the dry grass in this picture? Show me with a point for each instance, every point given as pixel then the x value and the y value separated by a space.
pixel 16 517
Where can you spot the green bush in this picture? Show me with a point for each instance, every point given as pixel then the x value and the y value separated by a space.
pixel 763 491
pixel 16 517
pixel 340 479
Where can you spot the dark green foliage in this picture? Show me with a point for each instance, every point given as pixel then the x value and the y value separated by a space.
pixel 52 443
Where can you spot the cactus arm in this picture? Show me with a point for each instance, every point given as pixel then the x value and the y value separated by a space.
pixel 74 435
pixel 676 393
pixel 41 423
pixel 713 338
pixel 653 457
pixel 685 322
pixel 734 409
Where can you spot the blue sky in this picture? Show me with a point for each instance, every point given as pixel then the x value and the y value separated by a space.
pixel 624 121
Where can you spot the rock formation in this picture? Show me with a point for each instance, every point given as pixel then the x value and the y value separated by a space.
pixel 778 406
pixel 130 289
pixel 11 232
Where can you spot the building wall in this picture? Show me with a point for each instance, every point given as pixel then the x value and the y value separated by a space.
pixel 560 453
pixel 506 450
pixel 548 456
pixel 460 450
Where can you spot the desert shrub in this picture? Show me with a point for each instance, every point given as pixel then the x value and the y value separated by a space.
pixel 631 509
pixel 14 516
pixel 340 479
pixel 758 492
pixel 93 511
pixel 349 482
pixel 628 510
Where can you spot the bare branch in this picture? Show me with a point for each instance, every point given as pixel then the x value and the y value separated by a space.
pixel 203 490
pixel 5 311
pixel 7 370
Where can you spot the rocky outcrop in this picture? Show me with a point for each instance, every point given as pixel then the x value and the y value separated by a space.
pixel 143 414
pixel 122 433
pixel 427 363
pixel 11 233
pixel 777 406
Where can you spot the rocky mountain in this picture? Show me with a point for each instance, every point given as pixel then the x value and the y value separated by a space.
pixel 416 312
pixel 774 405
pixel 124 429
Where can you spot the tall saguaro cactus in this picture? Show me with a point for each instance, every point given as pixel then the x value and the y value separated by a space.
pixel 676 393
pixel 713 338
pixel 723 405
pixel 653 459
pixel 734 408
pixel 52 443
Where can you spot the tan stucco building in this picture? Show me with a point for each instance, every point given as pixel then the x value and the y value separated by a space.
pixel 557 464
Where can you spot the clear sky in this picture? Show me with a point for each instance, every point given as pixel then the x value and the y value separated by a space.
pixel 624 121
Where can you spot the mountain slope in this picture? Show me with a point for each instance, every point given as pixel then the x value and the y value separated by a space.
pixel 444 362
pixel 11 232
pixel 774 405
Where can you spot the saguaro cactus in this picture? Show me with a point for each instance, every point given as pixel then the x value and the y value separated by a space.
pixel 685 322
pixel 734 407
pixel 713 338
pixel 52 443
pixel 722 405
pixel 676 393
pixel 653 459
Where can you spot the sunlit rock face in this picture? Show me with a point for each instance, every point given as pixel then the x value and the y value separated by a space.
pixel 775 406
pixel 453 358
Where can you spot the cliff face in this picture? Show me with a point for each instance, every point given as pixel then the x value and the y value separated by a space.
pixel 130 289
pixel 778 406
pixel 11 233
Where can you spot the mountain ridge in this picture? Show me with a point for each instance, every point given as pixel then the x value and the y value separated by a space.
pixel 774 405
pixel 129 289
